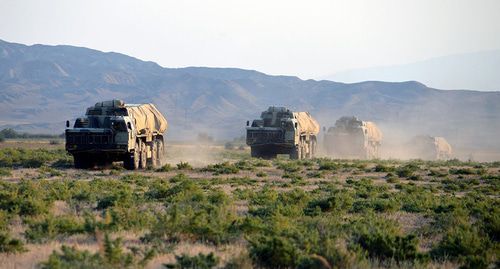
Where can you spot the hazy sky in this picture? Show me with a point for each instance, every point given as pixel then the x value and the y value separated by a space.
pixel 305 38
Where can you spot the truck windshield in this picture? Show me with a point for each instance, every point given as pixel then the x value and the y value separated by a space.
pixel 119 125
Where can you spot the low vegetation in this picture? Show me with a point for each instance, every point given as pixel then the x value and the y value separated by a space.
pixel 318 213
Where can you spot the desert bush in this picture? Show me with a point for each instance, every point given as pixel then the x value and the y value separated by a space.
pixel 274 252
pixel 193 213
pixel 407 170
pixel 30 158
pixel 27 198
pixel 113 256
pixel 316 174
pixel 10 245
pixel 122 196
pixel 288 166
pixel 184 166
pixel 466 244
pixel 325 164
pixel 338 201
pixel 5 172
pixel 179 178
pixel 200 261
pixel 50 227
pixel 261 174
pixel 165 168
pixel 383 168
pixel 222 168
pixel 382 239
pixel 438 173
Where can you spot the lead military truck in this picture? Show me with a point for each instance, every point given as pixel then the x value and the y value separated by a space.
pixel 281 131
pixel 115 131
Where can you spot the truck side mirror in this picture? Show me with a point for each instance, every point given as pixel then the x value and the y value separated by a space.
pixel 248 123
pixel 129 126
pixel 67 124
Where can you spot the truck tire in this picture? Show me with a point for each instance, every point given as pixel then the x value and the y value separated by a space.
pixel 154 154
pixel 131 162
pixel 160 150
pixel 80 161
pixel 295 153
pixel 254 152
pixel 313 148
pixel 143 156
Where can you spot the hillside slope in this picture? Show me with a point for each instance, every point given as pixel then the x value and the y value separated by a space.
pixel 42 86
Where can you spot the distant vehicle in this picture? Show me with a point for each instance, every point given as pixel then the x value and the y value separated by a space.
pixel 353 138
pixel 428 147
pixel 115 131
pixel 281 131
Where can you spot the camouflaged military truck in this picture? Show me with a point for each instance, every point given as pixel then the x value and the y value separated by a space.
pixel 115 131
pixel 281 131
pixel 353 138
pixel 429 148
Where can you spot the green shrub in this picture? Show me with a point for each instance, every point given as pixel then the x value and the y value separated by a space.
pixel 327 165
pixel 289 166
pixel 261 174
pixel 383 168
pixel 184 166
pixel 190 212
pixel 406 170
pixel 200 261
pixel 50 227
pixel 462 171
pixel 274 252
pixel 165 168
pixel 7 244
pixel 222 168
pixel 382 240
pixel 30 158
pixel 339 201
pixel 5 172
pixel 113 257
pixel 179 178
pixel 462 242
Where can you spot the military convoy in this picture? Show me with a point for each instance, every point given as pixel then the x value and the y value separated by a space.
pixel 353 138
pixel 281 131
pixel 115 131
pixel 134 133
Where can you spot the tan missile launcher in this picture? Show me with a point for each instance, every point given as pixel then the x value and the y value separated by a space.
pixel 115 131
pixel 281 131
pixel 353 138
pixel 429 148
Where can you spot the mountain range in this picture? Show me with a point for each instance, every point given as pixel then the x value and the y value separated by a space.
pixel 476 70
pixel 43 86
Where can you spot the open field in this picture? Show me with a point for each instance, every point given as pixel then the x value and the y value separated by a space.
pixel 249 213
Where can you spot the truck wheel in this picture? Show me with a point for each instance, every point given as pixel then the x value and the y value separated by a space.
pixel 143 155
pixel 160 150
pixel 131 162
pixel 83 161
pixel 295 153
pixel 80 161
pixel 154 154
pixel 254 152
pixel 313 148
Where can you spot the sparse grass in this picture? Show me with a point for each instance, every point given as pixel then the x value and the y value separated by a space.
pixel 282 213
